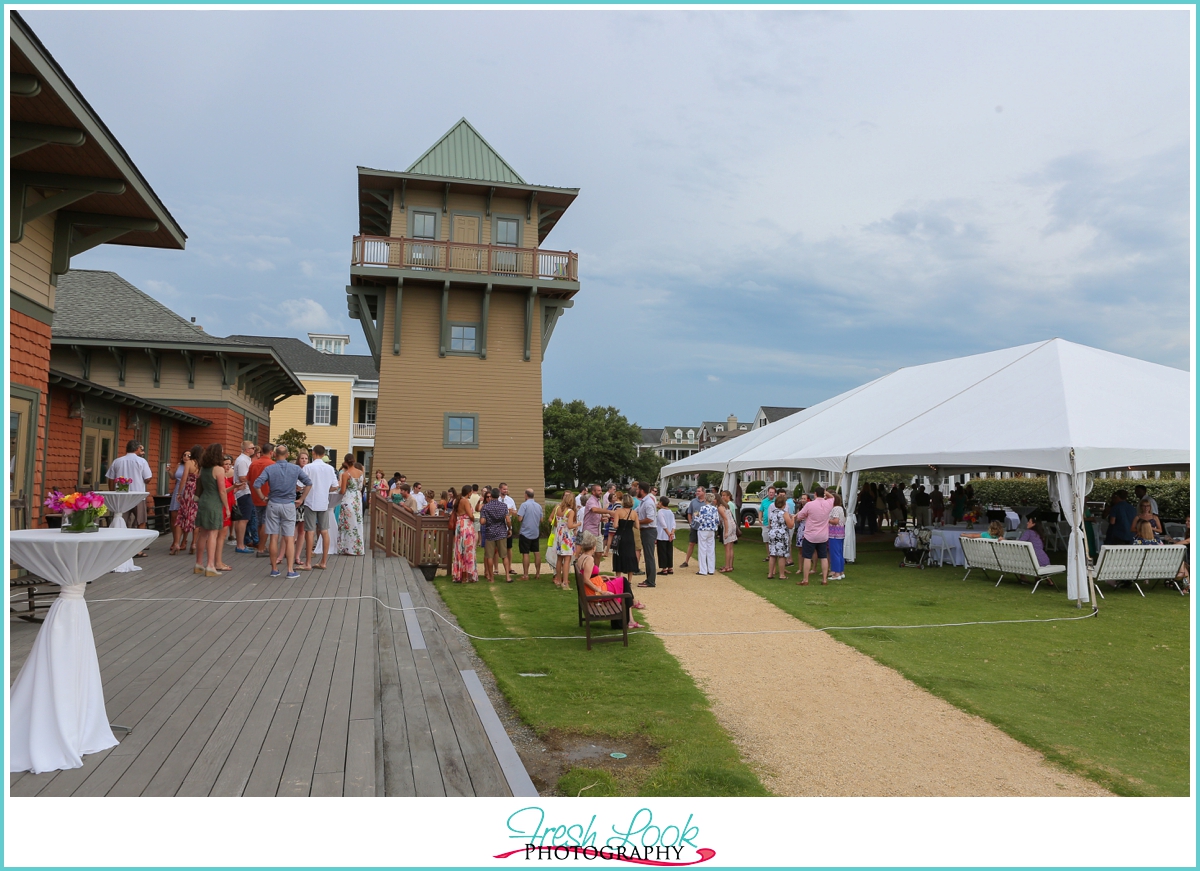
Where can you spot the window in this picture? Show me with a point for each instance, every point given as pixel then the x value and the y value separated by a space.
pixel 720 427
pixel 368 408
pixel 321 409
pixel 424 225
pixel 250 430
pixel 691 435
pixel 462 431
pixel 462 338
pixel 678 433
pixel 507 232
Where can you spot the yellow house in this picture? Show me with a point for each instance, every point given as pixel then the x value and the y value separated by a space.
pixel 457 301
pixel 338 407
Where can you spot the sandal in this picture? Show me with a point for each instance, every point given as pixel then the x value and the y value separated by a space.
pixel 801 583
pixel 633 624
pixel 174 550
pixel 684 564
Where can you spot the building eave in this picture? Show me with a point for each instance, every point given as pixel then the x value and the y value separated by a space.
pixel 91 388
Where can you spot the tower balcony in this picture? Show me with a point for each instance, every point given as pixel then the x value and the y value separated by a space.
pixel 416 256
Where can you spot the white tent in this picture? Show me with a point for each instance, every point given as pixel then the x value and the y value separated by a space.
pixel 1054 407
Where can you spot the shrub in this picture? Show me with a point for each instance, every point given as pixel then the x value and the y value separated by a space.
pixel 780 485
pixel 754 487
pixel 1173 494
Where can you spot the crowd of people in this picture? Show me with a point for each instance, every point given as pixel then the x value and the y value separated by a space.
pixel 265 505
pixel 815 523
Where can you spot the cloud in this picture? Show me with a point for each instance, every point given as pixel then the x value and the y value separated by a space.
pixel 258 264
pixel 713 379
pixel 308 315
pixel 160 288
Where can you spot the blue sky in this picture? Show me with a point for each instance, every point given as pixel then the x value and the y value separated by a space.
pixel 775 206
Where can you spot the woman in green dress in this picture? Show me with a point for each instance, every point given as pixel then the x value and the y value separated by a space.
pixel 212 510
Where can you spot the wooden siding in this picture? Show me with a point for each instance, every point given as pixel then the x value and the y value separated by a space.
pixel 418 388
pixel 432 200
pixel 173 387
pixel 30 272
pixel 293 411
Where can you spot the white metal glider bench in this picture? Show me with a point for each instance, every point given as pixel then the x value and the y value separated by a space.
pixel 1138 562
pixel 1006 558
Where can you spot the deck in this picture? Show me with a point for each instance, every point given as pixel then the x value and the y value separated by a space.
pixel 261 694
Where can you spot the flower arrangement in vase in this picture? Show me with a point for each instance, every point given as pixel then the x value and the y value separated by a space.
pixel 121 485
pixel 971 517
pixel 80 511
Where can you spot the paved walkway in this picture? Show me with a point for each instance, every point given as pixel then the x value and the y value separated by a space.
pixel 816 717
pixel 259 697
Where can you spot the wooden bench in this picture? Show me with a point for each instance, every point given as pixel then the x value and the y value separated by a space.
pixel 1138 562
pixel 1007 558
pixel 602 609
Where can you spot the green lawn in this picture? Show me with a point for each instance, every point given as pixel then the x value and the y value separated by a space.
pixel 1107 697
pixel 607 691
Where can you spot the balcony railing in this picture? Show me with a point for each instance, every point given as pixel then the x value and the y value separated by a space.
pixel 399 253
pixel 423 541
pixel 364 431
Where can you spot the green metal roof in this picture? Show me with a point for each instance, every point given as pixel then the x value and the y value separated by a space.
pixel 463 153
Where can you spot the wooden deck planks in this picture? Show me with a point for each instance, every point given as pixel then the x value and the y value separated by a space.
pixel 247 696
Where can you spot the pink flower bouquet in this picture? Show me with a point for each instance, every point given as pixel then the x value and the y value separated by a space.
pixel 122 484
pixel 80 511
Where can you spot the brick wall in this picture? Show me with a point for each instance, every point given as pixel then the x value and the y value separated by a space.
pixel 66 440
pixel 227 427
pixel 29 364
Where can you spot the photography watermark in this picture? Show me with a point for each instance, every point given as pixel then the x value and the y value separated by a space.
pixel 640 841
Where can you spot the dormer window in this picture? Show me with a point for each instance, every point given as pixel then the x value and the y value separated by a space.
pixel 679 433
pixel 720 428
pixel 691 435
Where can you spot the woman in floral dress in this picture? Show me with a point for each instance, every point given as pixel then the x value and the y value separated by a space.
pixel 349 538
pixel 779 543
pixel 462 570
pixel 189 503
pixel 564 539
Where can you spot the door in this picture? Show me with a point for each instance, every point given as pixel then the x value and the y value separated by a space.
pixel 465 228
pixel 95 456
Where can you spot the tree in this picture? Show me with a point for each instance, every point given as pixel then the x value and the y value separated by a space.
pixel 583 445
pixel 295 440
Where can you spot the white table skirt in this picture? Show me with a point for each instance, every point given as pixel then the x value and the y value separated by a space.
pixel 57 712
pixel 118 502
pixel 951 535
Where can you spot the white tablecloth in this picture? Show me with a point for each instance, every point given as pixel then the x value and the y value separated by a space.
pixel 118 502
pixel 951 535
pixel 57 701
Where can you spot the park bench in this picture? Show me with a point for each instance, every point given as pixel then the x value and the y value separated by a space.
pixel 602 609
pixel 1138 563
pixel 1006 558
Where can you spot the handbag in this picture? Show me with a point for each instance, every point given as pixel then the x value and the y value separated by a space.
pixel 235 513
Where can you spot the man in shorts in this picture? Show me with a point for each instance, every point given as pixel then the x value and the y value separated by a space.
pixel 281 508
pixel 693 514
pixel 815 538
pixel 530 514
pixel 496 522
pixel 316 508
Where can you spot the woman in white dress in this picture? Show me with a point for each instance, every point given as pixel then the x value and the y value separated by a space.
pixel 350 485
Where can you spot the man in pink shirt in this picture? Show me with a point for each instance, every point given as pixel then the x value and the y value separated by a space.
pixel 815 515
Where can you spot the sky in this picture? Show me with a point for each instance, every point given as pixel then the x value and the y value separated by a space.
pixel 775 207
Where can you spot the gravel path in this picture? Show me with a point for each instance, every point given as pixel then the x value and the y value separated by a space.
pixel 816 717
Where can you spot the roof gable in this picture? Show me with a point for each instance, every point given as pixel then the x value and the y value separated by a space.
pixel 302 357
pixel 463 153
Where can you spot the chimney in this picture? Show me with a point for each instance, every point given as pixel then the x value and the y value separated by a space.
pixel 731 423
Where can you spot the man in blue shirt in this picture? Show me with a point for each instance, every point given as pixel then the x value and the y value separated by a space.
pixel 280 518
pixel 1120 520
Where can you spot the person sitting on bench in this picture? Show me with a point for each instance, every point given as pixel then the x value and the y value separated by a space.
pixel 1032 534
pixel 595 584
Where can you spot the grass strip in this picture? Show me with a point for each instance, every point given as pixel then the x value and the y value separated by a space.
pixel 610 690
pixel 1106 697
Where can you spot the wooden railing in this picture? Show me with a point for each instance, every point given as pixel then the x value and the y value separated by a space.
pixel 363 431
pixel 423 541
pixel 400 253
